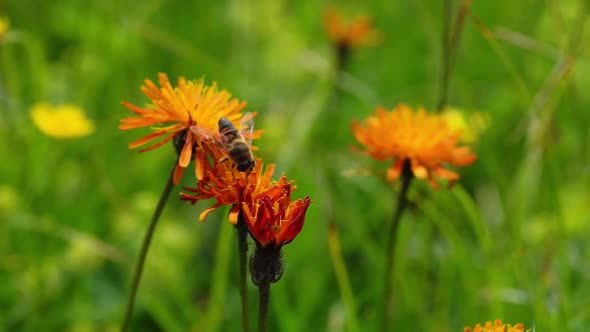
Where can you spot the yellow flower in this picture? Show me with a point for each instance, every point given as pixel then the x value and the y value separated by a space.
pixel 4 26
pixel 470 126
pixel 62 121
pixel 498 326
pixel 426 140
pixel 174 110
pixel 358 32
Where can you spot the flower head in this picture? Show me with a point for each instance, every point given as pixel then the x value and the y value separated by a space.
pixel 358 32
pixel 270 214
pixel 426 140
pixel 61 121
pixel 498 326
pixel 176 110
pixel 223 182
pixel 274 219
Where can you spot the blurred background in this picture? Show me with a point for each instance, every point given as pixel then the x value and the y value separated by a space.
pixel 508 241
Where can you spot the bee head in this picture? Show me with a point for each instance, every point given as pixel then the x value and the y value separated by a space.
pixel 246 165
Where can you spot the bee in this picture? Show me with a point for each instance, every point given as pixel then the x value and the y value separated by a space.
pixel 235 144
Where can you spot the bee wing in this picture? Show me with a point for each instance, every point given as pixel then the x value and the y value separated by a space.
pixel 201 133
pixel 247 127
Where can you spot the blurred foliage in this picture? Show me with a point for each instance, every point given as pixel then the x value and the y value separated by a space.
pixel 509 241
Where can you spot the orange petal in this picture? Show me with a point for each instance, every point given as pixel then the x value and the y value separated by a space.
pixel 462 156
pixel 233 214
pixel 419 170
pixel 187 150
pixel 395 170
pixel 200 160
pixel 178 172
pixel 444 173
pixel 160 143
pixel 134 109
pixel 145 139
pixel 204 214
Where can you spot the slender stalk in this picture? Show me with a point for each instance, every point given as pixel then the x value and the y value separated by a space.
pixel 342 276
pixel 147 239
pixel 264 296
pixel 242 253
pixel 446 55
pixel 402 200
pixel 450 45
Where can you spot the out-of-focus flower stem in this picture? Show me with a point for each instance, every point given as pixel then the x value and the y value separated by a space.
pixel 402 200
pixel 450 45
pixel 144 249
pixel 242 230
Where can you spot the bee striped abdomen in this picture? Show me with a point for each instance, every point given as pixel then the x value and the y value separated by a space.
pixel 236 146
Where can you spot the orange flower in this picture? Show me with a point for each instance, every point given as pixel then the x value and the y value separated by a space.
pixel 273 218
pixel 359 32
pixel 497 327
pixel 425 139
pixel 270 214
pixel 176 109
pixel 227 185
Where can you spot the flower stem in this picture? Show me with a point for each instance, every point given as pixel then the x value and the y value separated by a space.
pixel 144 250
pixel 242 252
pixel 450 44
pixel 264 296
pixel 406 178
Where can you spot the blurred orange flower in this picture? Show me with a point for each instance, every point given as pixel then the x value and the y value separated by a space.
pixel 176 109
pixel 359 32
pixel 497 327
pixel 425 139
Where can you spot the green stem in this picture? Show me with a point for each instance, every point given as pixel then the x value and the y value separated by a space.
pixel 406 178
pixel 264 295
pixel 144 250
pixel 243 251
pixel 446 55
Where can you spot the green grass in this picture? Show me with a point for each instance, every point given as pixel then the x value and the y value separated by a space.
pixel 509 241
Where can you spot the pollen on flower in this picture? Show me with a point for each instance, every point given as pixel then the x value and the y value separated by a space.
pixel 426 140
pixel 61 121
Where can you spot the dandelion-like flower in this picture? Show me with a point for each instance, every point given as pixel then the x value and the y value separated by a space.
pixel 61 121
pixel 174 110
pixel 359 32
pixel 224 183
pixel 425 140
pixel 498 326
pixel 270 213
